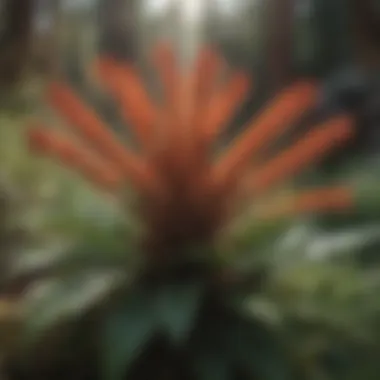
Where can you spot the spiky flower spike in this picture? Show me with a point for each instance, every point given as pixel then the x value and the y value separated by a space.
pixel 187 197
pixel 186 194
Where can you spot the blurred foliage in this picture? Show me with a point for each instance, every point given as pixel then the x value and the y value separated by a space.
pixel 300 299
pixel 288 307
pixel 43 209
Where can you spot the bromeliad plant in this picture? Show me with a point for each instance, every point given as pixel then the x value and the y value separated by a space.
pixel 176 309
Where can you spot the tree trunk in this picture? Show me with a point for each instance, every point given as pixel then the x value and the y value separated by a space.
pixel 15 39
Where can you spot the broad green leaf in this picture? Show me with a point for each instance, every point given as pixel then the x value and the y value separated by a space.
pixel 256 350
pixel 62 258
pixel 101 250
pixel 177 307
pixel 127 330
pixel 210 350
pixel 209 365
pixel 63 300
pixel 258 234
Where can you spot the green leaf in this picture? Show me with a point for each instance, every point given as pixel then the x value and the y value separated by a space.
pixel 58 260
pixel 228 342
pixel 259 234
pixel 105 249
pixel 63 300
pixel 210 351
pixel 127 330
pixel 177 307
pixel 96 253
pixel 211 366
pixel 368 197
pixel 256 350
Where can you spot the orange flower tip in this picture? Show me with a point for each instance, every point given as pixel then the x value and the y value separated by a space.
pixel 163 53
pixel 55 86
pixel 344 125
pixel 241 83
pixel 305 89
pixel 163 48
pixel 105 70
pixel 38 139
pixel 104 65
pixel 100 65
pixel 209 58
pixel 112 179
pixel 55 90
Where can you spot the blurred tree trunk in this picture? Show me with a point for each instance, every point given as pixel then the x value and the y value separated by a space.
pixel 15 39
pixel 117 24
pixel 365 19
pixel 46 44
pixel 280 42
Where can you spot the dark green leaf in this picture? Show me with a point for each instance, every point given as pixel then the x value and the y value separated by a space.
pixel 106 250
pixel 177 307
pixel 256 350
pixel 259 234
pixel 94 254
pixel 210 350
pixel 211 366
pixel 127 330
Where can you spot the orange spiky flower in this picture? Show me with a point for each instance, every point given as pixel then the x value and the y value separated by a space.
pixel 183 311
pixel 187 195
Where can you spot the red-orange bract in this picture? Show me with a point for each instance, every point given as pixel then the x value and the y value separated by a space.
pixel 187 195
